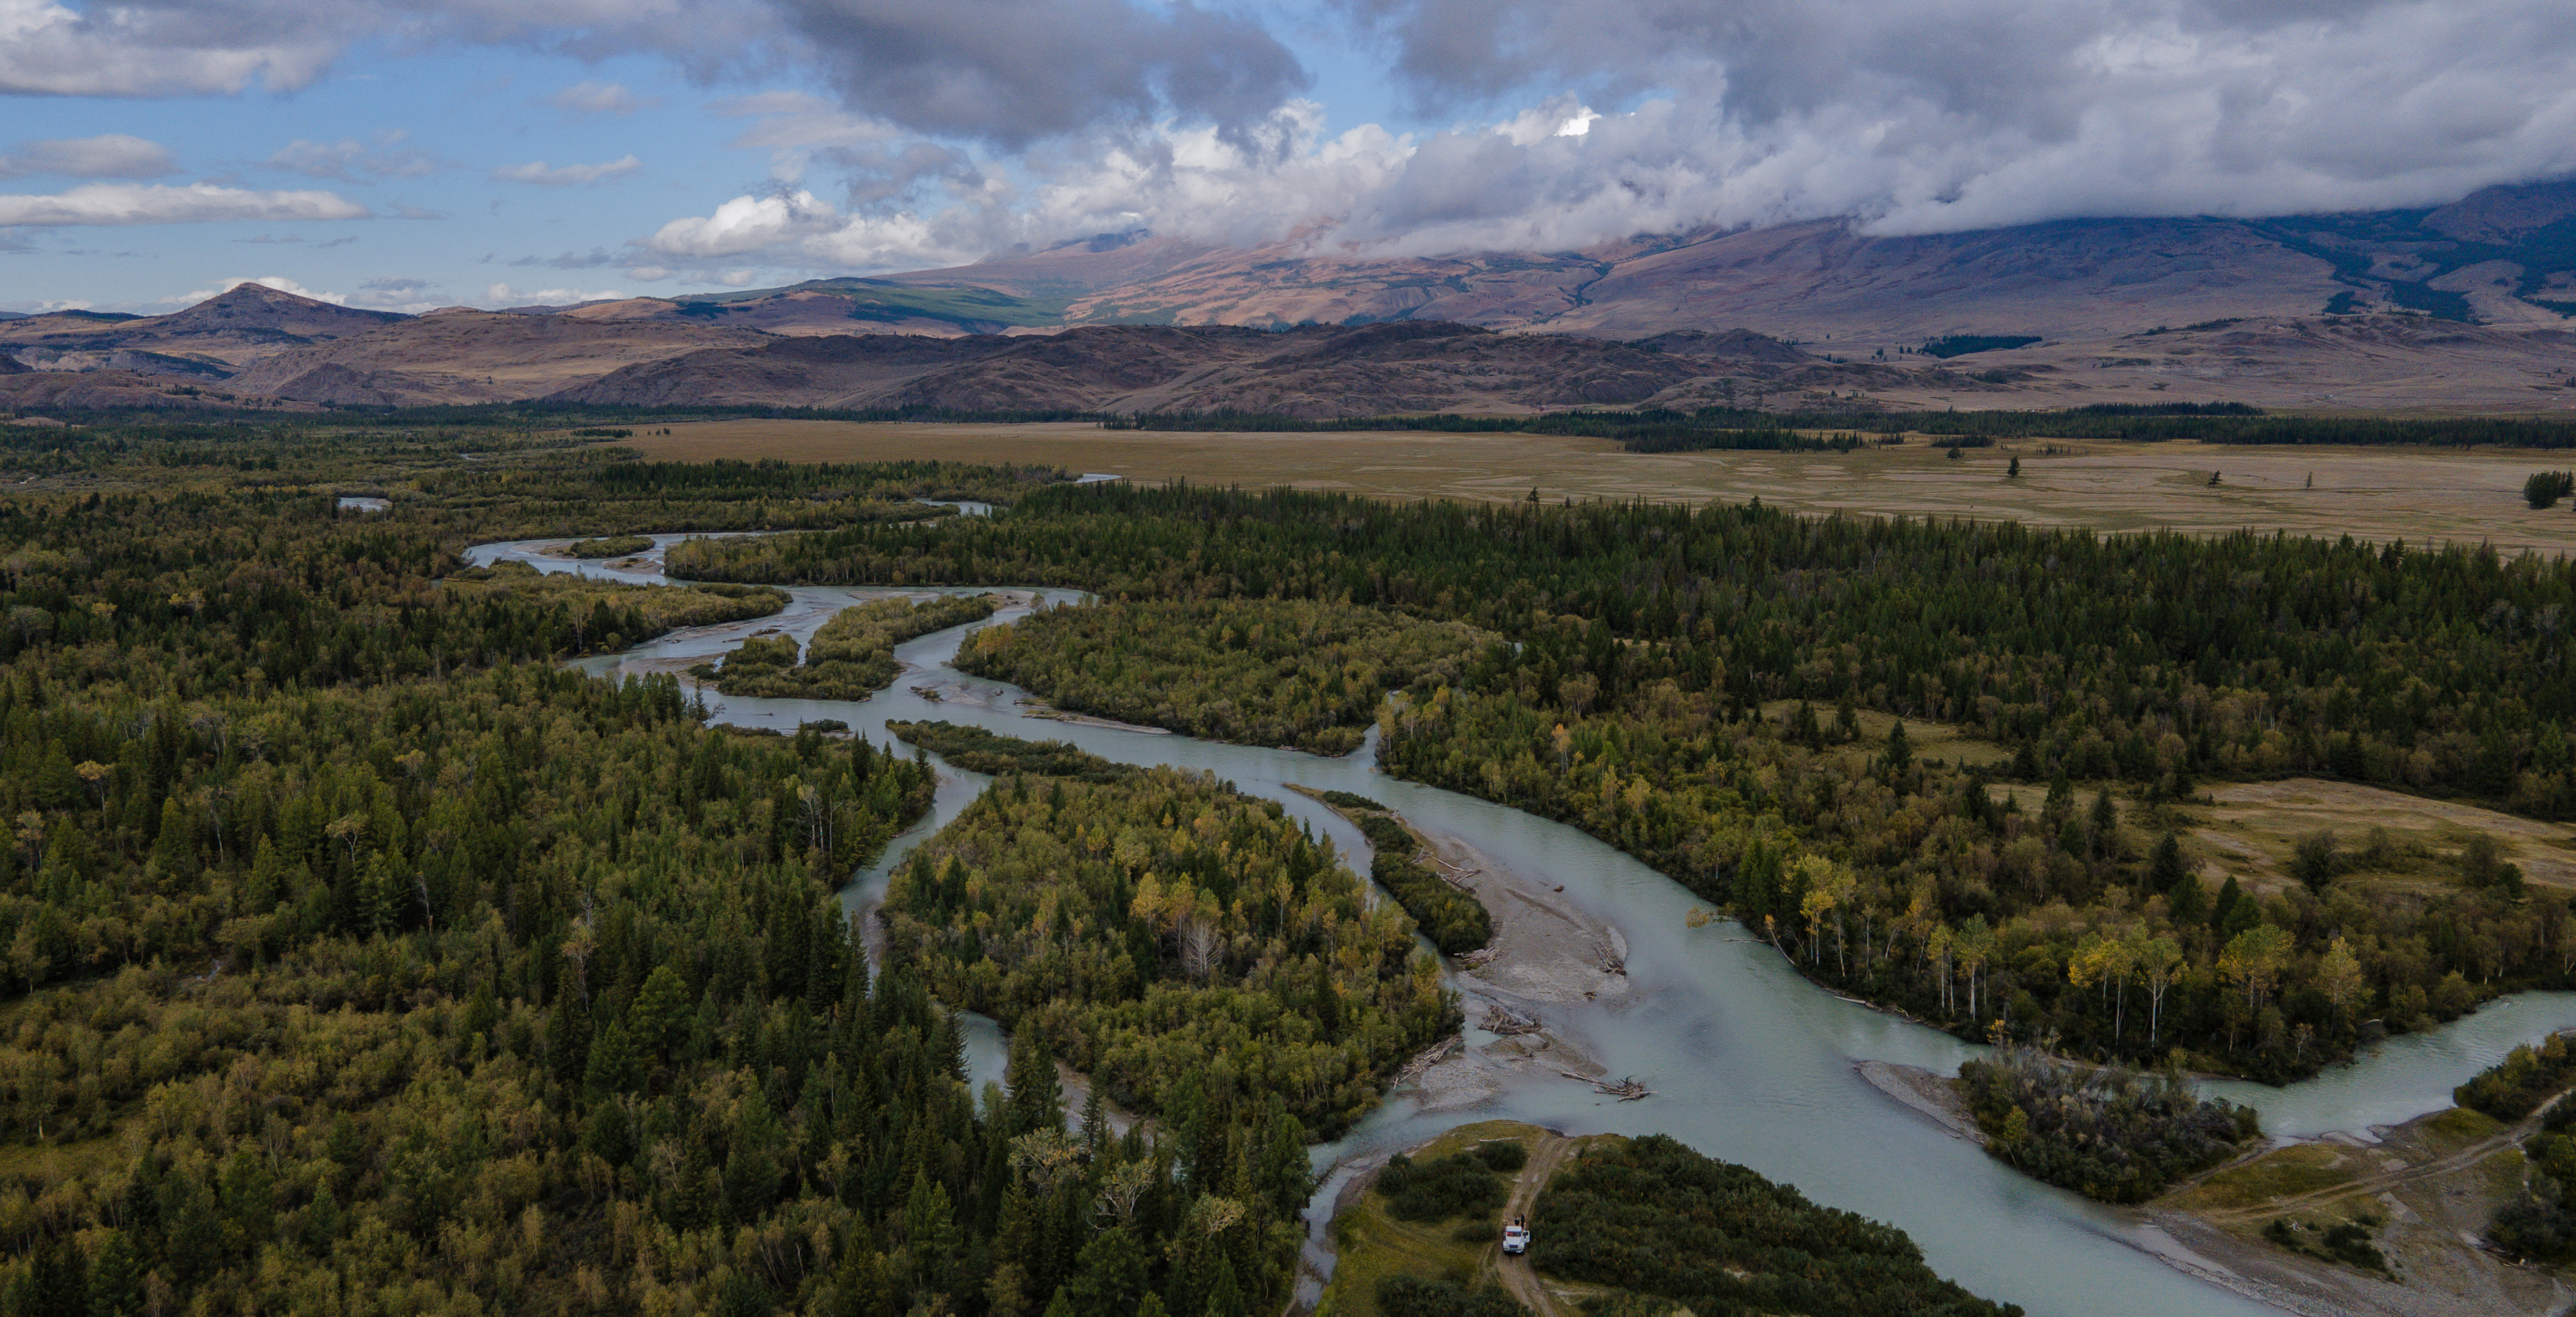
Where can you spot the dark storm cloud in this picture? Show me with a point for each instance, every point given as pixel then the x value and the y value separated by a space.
pixel 1008 72
pixel 1012 72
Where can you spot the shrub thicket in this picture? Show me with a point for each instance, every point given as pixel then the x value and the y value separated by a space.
pixel 1460 1184
pixel 2109 1134
pixel 1455 921
pixel 996 755
pixel 609 546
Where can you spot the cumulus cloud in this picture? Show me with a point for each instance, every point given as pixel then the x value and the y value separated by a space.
pixel 113 155
pixel 748 224
pixel 398 293
pixel 590 260
pixel 130 203
pixel 1004 71
pixel 599 98
pixel 789 119
pixel 1928 115
pixel 501 294
pixel 52 49
pixel 958 126
pixel 545 175
pixel 1578 124
pixel 350 160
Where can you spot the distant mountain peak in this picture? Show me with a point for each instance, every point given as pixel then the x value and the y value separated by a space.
pixel 258 306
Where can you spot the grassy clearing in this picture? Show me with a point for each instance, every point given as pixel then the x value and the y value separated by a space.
pixel 1373 1245
pixel 2459 1127
pixel 53 1163
pixel 2253 828
pixel 2370 493
pixel 1930 740
pixel 2304 1168
pixel 2501 1175
pixel 2391 844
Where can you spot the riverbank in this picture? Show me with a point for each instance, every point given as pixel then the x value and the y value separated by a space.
pixel 2425 1189
pixel 2178 1242
pixel 2431 1184
pixel 1030 708
pixel 1546 951
pixel 1933 1095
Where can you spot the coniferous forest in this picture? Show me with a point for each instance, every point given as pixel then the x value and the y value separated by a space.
pixel 358 957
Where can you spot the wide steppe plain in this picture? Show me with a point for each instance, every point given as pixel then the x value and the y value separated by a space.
pixel 2467 496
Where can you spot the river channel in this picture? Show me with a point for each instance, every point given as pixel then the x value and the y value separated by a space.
pixel 1749 1061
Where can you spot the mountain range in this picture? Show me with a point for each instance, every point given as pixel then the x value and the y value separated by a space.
pixel 2461 307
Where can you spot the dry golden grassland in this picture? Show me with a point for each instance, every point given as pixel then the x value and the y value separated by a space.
pixel 2389 842
pixel 2252 828
pixel 2375 493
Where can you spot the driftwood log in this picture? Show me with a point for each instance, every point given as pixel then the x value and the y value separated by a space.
pixel 1626 1090
pixel 1429 1057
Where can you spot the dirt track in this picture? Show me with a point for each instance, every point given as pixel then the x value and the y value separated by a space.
pixel 1517 1274
pixel 2510 1137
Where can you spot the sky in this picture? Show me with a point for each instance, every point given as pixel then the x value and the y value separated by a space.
pixel 411 154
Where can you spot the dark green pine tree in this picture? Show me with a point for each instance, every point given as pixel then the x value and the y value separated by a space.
pixel 2165 871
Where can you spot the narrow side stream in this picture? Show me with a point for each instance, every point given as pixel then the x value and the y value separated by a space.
pixel 1750 1061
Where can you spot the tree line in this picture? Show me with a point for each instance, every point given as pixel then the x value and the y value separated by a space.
pixel 1650 429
